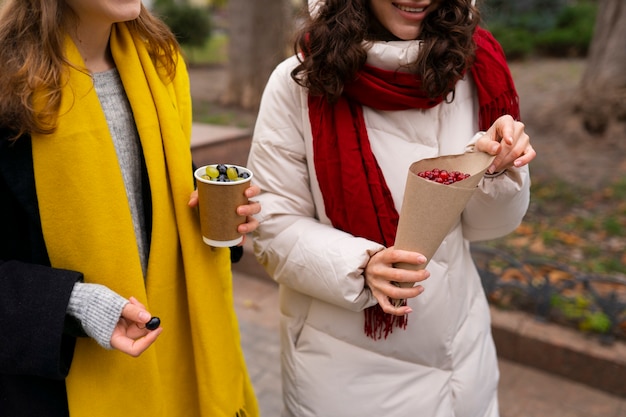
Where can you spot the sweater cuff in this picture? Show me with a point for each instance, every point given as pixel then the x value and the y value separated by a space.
pixel 98 309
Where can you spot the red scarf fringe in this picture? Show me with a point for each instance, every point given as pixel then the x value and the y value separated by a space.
pixel 379 324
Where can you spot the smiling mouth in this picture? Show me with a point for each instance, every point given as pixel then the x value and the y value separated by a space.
pixel 409 9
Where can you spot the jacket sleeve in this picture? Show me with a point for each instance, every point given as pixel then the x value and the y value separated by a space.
pixel 33 300
pixel 296 248
pixel 498 206
pixel 36 336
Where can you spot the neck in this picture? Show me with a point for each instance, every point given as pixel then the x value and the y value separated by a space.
pixel 378 32
pixel 93 44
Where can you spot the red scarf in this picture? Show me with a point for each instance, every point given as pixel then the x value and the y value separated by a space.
pixel 347 171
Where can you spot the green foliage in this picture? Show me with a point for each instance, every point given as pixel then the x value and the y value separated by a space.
pixel 191 24
pixel 557 191
pixel 213 51
pixel 517 43
pixel 572 34
pixel 549 28
pixel 614 226
pixel 618 190
pixel 530 15
pixel 206 112
pixel 566 223
pixel 581 310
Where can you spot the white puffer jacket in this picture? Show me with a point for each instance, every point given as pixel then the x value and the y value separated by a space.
pixel 444 363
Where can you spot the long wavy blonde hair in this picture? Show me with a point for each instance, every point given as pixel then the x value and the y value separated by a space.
pixel 32 35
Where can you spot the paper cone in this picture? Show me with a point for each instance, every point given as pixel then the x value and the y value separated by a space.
pixel 430 209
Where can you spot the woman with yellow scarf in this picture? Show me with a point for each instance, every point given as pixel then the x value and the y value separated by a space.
pixel 98 224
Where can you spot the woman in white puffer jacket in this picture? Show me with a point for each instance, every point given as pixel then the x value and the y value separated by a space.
pixel 376 86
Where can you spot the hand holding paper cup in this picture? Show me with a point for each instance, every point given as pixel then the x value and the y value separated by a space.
pixel 219 195
pixel 431 209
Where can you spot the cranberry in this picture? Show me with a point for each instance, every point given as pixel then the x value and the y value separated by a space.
pixel 442 176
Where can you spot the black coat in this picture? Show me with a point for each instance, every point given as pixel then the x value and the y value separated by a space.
pixel 36 337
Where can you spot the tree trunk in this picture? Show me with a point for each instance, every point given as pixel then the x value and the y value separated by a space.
pixel 602 93
pixel 258 41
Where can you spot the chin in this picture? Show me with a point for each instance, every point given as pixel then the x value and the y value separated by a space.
pixel 407 32
pixel 407 35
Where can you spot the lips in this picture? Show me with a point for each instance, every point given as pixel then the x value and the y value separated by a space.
pixel 409 9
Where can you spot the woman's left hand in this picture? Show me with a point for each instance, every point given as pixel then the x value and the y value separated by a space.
pixel 247 210
pixel 130 334
pixel 507 140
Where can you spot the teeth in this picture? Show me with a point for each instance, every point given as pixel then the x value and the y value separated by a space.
pixel 410 9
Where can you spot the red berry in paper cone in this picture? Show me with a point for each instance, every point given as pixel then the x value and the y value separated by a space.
pixel 442 176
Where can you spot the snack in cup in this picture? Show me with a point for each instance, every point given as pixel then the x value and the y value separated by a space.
pixel 220 191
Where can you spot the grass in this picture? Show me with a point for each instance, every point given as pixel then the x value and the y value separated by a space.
pixel 211 113
pixel 213 52
pixel 581 228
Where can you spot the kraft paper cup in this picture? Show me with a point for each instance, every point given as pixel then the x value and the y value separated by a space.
pixel 429 209
pixel 217 206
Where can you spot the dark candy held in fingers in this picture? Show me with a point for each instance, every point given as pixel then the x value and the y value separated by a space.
pixel 153 324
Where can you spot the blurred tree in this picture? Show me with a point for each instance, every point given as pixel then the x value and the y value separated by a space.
pixel 258 40
pixel 602 92
pixel 192 24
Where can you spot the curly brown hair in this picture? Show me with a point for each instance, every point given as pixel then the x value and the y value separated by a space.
pixel 32 34
pixel 332 46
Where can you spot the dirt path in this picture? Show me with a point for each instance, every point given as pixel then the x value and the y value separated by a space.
pixel 564 149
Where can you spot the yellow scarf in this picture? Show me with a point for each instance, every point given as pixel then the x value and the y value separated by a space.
pixel 196 367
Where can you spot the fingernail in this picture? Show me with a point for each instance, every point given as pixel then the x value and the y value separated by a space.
pixel 144 316
pixel 491 169
pixel 410 310
pixel 421 259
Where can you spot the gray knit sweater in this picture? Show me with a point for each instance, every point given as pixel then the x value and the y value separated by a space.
pixel 97 307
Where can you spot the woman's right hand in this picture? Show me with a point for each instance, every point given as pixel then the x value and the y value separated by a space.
pixel 381 276
pixel 130 335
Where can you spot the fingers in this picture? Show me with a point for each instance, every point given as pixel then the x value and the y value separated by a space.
pixel 193 199
pixel 248 227
pixel 516 155
pixel 253 207
pixel 506 128
pixel 249 210
pixel 528 155
pixel 388 299
pixel 252 191
pixel 136 312
pixel 135 346
pixel 130 334
pixel 508 141
pixel 388 283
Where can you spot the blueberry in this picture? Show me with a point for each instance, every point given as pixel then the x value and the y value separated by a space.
pixel 221 168
pixel 154 323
